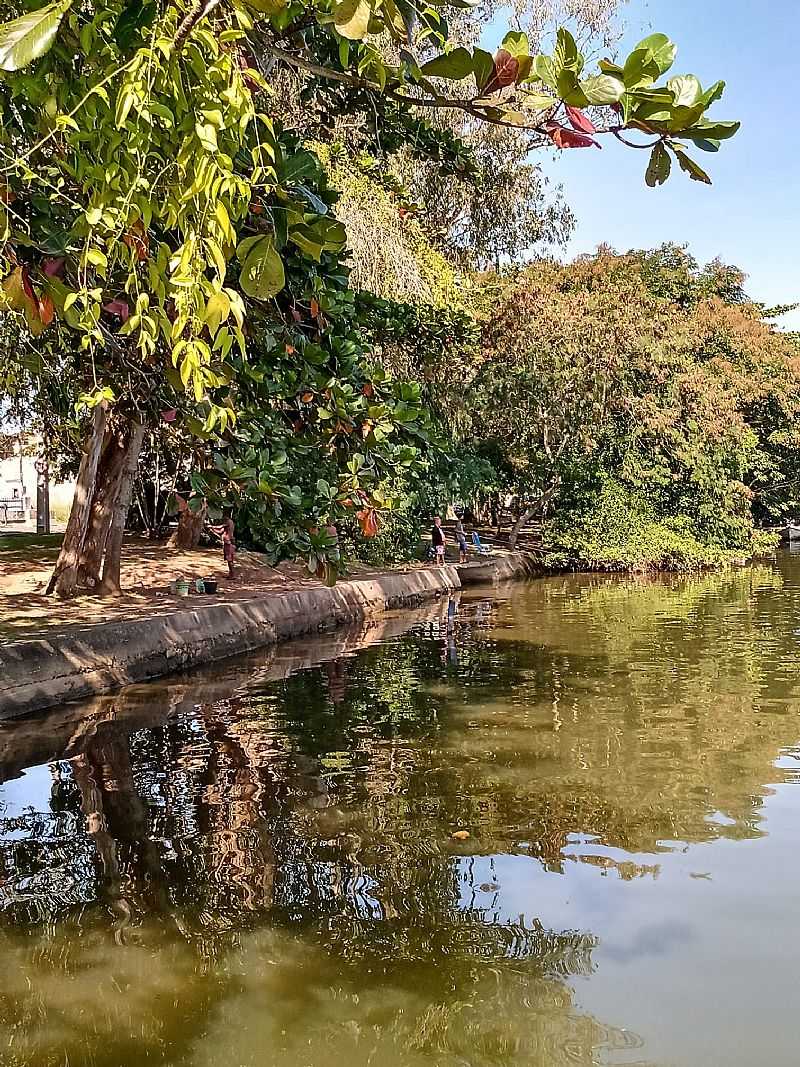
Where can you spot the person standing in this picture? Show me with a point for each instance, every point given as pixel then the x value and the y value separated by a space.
pixel 227 531
pixel 438 539
pixel 461 537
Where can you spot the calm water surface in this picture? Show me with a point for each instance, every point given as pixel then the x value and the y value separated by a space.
pixel 255 865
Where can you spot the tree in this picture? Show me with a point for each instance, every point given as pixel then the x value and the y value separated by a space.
pixel 152 203
pixel 650 417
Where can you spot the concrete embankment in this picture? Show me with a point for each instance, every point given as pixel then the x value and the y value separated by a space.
pixel 41 672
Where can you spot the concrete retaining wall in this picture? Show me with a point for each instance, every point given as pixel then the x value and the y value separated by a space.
pixel 42 672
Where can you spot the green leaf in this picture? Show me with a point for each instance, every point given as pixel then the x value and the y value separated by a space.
pixel 483 66
pixel 662 50
pixel 351 18
pixel 695 172
pixel 705 144
pixel 659 166
pixel 262 273
pixel 566 53
pixel 715 131
pixel 27 38
pixel 608 67
pixel 516 44
pixel 295 167
pixel 207 135
pixel 686 90
pixel 218 308
pixel 639 69
pixel 244 246
pixel 546 71
pixel 713 94
pixel 536 101
pixel 603 89
pixel 569 89
pixel 454 65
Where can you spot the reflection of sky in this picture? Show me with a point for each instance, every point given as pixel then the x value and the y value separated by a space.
pixel 699 955
pixel 31 790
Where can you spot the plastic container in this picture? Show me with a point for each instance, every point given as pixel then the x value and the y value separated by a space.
pixel 210 585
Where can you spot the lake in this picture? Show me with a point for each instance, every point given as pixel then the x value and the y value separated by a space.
pixel 550 824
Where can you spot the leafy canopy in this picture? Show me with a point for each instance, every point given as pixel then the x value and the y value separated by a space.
pixel 149 205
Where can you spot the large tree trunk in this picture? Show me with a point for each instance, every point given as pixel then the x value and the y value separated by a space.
pixel 64 579
pixel 107 485
pixel 110 584
pixel 517 527
pixel 190 526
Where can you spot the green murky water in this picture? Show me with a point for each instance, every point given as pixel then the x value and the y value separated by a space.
pixel 255 865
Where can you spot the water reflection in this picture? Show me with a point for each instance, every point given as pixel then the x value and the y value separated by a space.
pixel 256 864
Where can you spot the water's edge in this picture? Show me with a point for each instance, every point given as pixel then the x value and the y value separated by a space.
pixel 38 673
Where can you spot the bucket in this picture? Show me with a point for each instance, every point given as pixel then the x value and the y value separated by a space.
pixel 181 587
pixel 210 585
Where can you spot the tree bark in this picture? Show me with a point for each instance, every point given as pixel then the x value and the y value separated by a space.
pixel 64 579
pixel 517 527
pixel 190 526
pixel 107 483
pixel 110 585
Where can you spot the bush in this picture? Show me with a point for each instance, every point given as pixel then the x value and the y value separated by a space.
pixel 620 531
pixel 398 539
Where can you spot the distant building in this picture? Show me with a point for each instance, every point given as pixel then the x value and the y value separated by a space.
pixel 18 481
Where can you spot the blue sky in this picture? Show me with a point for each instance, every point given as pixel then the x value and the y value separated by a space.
pixel 751 215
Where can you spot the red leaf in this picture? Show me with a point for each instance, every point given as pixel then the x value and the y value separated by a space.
pixel 119 308
pixel 169 416
pixel 564 138
pixel 506 69
pixel 368 521
pixel 46 310
pixel 53 267
pixel 137 240
pixel 579 121
pixel 28 289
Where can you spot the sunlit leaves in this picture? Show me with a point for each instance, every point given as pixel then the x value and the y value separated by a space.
pixel 686 90
pixel 351 18
pixel 603 89
pixel 30 36
pixel 454 65
pixel 262 275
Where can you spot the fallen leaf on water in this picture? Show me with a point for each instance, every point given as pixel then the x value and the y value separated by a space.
pixel 460 835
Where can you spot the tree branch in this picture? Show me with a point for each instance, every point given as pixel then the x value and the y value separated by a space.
pixel 415 101
pixel 195 14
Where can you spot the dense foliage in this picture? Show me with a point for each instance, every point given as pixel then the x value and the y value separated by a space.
pixel 173 256
pixel 641 406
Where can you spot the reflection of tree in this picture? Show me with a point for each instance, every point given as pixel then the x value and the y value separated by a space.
pixel 313 817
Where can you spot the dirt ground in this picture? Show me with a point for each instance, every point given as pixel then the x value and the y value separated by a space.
pixel 147 569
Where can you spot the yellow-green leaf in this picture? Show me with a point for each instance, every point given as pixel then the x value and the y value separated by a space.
pixel 262 271
pixel 217 310
pixel 25 39
pixel 351 18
